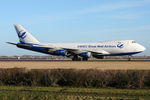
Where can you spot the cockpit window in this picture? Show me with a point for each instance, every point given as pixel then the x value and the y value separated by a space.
pixel 133 42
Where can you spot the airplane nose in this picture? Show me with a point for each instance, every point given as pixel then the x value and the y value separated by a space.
pixel 141 48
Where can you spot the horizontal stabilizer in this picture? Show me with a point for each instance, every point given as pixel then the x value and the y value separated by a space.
pixel 20 45
pixel 11 43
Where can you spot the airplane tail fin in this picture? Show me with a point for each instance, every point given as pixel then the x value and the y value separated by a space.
pixel 24 36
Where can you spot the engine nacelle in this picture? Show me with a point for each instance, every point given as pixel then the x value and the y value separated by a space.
pixel 61 52
pixel 86 54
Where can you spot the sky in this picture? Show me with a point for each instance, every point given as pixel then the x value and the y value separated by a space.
pixel 74 21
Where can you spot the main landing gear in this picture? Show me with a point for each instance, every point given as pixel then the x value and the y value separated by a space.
pixel 129 58
pixel 78 58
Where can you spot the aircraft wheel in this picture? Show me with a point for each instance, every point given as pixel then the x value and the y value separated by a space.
pixel 129 58
pixel 85 59
pixel 76 58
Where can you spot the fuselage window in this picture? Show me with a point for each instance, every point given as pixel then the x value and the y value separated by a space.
pixel 133 42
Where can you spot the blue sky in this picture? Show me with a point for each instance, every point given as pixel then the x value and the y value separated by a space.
pixel 74 21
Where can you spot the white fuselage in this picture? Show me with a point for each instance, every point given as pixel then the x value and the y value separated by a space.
pixel 124 47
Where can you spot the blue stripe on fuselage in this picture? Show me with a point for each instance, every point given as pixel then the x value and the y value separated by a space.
pixel 38 49
pixel 34 48
pixel 127 53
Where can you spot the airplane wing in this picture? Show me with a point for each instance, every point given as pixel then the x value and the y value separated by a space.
pixel 70 51
pixel 75 51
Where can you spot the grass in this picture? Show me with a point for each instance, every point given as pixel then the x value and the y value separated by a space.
pixel 104 65
pixel 66 93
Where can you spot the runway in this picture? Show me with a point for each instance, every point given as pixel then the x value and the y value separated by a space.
pixel 96 64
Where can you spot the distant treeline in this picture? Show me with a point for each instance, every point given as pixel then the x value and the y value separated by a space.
pixel 50 57
pixel 128 79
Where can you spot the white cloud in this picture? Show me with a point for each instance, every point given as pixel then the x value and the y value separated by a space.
pixel 120 30
pixel 114 6
pixel 102 10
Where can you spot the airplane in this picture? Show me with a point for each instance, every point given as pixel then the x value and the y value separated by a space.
pixel 77 51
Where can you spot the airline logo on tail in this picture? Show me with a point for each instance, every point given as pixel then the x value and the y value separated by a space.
pixel 22 34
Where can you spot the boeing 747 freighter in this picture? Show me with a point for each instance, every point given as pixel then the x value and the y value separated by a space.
pixel 77 51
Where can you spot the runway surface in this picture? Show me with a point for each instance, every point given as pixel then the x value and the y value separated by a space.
pixel 104 65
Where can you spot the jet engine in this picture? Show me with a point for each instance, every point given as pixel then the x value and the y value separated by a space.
pixel 61 52
pixel 86 54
